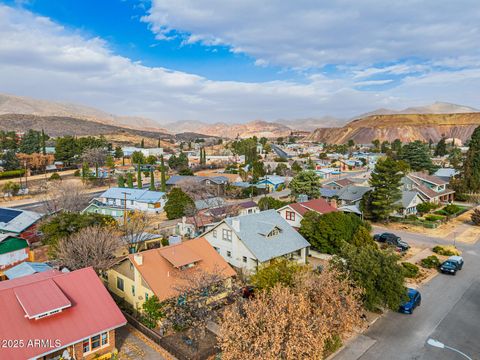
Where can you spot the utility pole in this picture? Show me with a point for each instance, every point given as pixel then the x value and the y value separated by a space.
pixel 125 207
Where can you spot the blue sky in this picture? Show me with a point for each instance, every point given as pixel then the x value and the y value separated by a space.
pixel 239 60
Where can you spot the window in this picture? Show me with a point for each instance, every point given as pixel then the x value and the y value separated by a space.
pixel 133 290
pixel 290 215
pixel 229 253
pixel 227 235
pixel 86 345
pixel 95 342
pixel 214 233
pixel 244 259
pixel 274 232
pixel 146 296
pixel 104 338
pixel 119 283
pixel 131 202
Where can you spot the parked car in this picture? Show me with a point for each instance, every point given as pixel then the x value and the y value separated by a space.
pixel 414 300
pixel 392 239
pixel 452 265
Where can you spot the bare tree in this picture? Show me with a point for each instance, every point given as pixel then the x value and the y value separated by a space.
pixel 291 322
pixel 135 229
pixel 94 156
pixel 60 195
pixel 93 246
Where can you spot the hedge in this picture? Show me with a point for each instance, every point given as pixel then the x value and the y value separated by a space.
pixel 430 262
pixel 410 270
pixel 12 174
pixel 445 250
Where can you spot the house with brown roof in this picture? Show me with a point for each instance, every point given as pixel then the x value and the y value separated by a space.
pixel 163 271
pixel 56 315
pixel 338 184
pixel 431 188
pixel 293 213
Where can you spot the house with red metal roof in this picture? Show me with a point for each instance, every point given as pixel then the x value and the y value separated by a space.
pixel 53 315
pixel 293 213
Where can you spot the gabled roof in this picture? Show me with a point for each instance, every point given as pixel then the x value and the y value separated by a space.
pixel 446 173
pixel 341 182
pixel 353 192
pixel 164 278
pixel 140 195
pixel 328 193
pixel 177 179
pixel 428 178
pixel 318 205
pixel 16 220
pixel 92 310
pixel 12 243
pixel 222 210
pixel 273 179
pixel 26 268
pixel 254 226
pixel 209 203
pixel 407 198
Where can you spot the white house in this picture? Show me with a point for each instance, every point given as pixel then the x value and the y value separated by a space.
pixel 129 150
pixel 250 240
pixel 132 199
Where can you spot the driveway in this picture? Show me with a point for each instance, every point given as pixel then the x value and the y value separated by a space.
pixel 450 312
pixel 133 345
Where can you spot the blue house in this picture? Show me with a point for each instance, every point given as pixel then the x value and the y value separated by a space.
pixel 272 182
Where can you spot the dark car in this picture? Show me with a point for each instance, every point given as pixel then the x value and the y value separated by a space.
pixel 452 265
pixel 392 239
pixel 414 300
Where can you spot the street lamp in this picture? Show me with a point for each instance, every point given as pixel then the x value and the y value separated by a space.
pixel 440 345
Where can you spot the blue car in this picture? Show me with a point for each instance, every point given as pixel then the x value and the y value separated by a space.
pixel 414 300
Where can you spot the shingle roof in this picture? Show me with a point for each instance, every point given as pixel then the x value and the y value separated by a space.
pixel 140 195
pixel 176 179
pixel 317 205
pixel 253 227
pixel 209 203
pixel 342 182
pixel 429 178
pixel 16 220
pixel 353 192
pixel 328 193
pixel 26 268
pixel 407 197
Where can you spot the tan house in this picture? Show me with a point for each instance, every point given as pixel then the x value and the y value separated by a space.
pixel 163 271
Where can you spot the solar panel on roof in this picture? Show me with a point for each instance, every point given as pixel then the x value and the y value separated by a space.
pixel 7 215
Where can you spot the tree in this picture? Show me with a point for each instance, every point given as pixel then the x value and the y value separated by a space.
pixel 64 196
pixel 152 181
pixel 375 271
pixel 327 233
pixel 455 158
pixel 142 143
pixel 94 156
pixel 31 142
pixel 296 167
pixel 120 181
pixel 110 162
pixel 417 155
pixel 307 183
pixel 376 145
pixel 43 140
pixel 386 180
pixel 441 148
pixel 385 146
pixel 135 228
pixel 278 271
pixel 291 322
pixel 476 217
pixel 92 246
pixel 281 169
pixel 397 146
pixel 350 143
pixel 151 160
pixel 152 312
pixel 64 224
pixel 163 180
pixel 11 188
pixel 138 158
pixel 268 202
pixel 258 170
pixel 130 180
pixel 118 152
pixel 66 148
pixel 471 166
pixel 177 203
pixel 85 171
pixel 10 160
pixel 139 177
pixel 185 171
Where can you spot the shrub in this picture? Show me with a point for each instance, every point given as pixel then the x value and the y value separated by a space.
pixel 11 174
pixel 452 209
pixel 476 217
pixel 55 176
pixel 434 217
pixel 76 173
pixel 430 262
pixel 331 345
pixel 445 250
pixel 461 197
pixel 165 242
pixel 11 188
pixel 412 217
pixel 410 270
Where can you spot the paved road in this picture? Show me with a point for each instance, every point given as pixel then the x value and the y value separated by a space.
pixel 450 312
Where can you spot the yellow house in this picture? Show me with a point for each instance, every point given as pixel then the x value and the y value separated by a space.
pixel 163 271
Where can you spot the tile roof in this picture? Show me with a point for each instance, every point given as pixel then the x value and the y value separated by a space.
pixel 164 278
pixel 317 205
pixel 26 268
pixel 252 233
pixel 92 311
pixel 16 220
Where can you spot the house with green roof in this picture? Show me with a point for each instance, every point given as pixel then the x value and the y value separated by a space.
pixel 13 251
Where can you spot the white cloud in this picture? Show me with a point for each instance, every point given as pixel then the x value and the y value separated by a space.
pixel 307 33
pixel 42 59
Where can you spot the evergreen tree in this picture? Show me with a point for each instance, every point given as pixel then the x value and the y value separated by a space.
pixel 110 162
pixel 306 183
pixel 417 155
pixel 441 148
pixel 142 143
pixel 85 171
pixel 159 143
pixel 10 160
pixel 152 181
pixel 397 146
pixel 177 203
pixel 471 165
pixel 121 181
pixel 31 142
pixel 139 177
pixel 386 182
pixel 163 177
pixel 118 152
pixel 130 180
pixel 43 143
pixel 96 169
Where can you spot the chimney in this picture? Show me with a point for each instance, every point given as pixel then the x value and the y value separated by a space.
pixel 236 224
pixel 138 259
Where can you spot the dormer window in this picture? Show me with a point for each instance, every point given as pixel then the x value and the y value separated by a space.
pixel 275 231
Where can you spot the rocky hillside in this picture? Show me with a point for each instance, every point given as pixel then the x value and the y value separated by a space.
pixel 406 127
pixel 253 128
